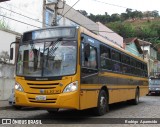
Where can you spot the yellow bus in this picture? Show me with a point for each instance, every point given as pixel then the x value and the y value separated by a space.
pixel 71 67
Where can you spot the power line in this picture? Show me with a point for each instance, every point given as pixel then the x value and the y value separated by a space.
pixel 69 9
pixel 23 15
pixel 19 21
pixel 11 5
pixel 114 4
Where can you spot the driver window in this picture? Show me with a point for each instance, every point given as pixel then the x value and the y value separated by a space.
pixel 91 61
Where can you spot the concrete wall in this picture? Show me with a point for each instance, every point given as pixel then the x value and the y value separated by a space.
pixel 6 80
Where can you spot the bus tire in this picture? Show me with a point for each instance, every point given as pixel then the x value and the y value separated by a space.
pixel 135 101
pixel 17 107
pixel 102 105
pixel 53 111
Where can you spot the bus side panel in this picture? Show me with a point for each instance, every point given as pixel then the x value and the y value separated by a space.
pixel 88 97
pixel 127 93
pixel 121 93
pixel 144 91
pixel 113 96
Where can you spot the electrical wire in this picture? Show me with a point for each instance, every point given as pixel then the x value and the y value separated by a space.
pixel 69 9
pixel 23 15
pixel 114 5
pixel 18 21
pixel 11 5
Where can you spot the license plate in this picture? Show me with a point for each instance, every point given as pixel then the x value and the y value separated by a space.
pixel 40 98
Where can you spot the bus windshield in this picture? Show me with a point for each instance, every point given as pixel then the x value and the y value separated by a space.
pixel 154 82
pixel 47 59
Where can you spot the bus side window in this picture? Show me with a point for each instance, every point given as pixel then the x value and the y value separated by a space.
pixel 91 61
pixel 92 58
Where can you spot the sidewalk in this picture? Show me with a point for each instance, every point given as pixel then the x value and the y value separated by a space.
pixel 5 105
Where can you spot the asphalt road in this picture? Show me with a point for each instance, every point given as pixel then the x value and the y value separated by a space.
pixel 121 113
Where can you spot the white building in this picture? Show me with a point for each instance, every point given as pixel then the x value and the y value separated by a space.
pixel 150 56
pixel 21 15
pixel 6 38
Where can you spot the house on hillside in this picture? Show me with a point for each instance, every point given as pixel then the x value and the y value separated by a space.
pixel 150 55
pixel 132 45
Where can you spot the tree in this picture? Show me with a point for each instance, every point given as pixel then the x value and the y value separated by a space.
pixel 3 25
pixel 83 12
pixel 147 14
pixel 129 11
pixel 136 14
pixel 124 16
pixel 115 17
pixel 155 13
pixel 4 57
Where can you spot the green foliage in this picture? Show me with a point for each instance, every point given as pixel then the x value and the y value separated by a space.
pixel 3 25
pixel 129 14
pixel 124 29
pixel 144 25
pixel 149 31
pixel 4 57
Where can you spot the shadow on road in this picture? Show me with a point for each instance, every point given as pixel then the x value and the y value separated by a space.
pixel 75 116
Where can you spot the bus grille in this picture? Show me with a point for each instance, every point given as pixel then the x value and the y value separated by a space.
pixel 43 86
pixel 45 101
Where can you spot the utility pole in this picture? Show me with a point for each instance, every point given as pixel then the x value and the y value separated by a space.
pixel 54 22
pixel 55 3
pixel 44 14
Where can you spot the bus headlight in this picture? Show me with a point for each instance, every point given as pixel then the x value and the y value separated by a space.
pixel 71 87
pixel 18 87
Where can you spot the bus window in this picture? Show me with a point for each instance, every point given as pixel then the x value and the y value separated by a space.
pixel 91 61
pixel 105 58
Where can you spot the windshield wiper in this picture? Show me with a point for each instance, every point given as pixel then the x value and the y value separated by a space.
pixel 53 43
pixel 53 48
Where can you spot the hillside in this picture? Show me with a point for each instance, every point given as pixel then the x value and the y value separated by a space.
pixel 146 28
pixel 144 25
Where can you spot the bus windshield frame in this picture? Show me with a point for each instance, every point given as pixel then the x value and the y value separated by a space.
pixel 45 57
pixel 154 81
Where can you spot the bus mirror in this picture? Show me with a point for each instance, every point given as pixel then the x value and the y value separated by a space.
pixel 11 53
pixel 87 50
pixel 11 50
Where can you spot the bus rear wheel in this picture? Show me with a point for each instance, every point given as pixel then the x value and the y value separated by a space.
pixel 102 106
pixel 135 101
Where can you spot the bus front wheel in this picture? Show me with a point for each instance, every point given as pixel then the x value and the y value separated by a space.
pixel 102 105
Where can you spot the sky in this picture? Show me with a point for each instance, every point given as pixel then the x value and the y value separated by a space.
pixel 33 9
pixel 95 7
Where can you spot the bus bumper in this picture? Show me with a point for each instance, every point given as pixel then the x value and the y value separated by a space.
pixel 154 92
pixel 63 100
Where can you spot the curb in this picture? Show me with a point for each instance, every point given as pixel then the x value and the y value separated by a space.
pixel 6 107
